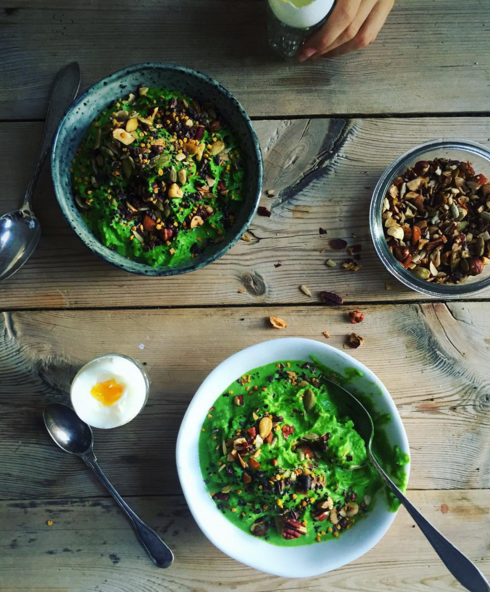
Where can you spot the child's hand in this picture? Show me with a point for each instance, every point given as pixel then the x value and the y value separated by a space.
pixel 353 24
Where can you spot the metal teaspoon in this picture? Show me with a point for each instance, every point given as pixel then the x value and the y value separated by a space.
pixel 76 437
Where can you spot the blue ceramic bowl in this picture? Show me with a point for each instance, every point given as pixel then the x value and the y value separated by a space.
pixel 102 94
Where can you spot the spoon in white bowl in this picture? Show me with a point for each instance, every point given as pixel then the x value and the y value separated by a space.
pixel 20 230
pixel 462 568
pixel 76 437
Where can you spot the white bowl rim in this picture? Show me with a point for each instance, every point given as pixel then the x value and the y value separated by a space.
pixel 184 450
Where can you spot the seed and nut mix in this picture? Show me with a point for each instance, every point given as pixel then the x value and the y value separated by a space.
pixel 436 219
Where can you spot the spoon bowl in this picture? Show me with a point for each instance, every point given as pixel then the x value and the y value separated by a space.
pixel 68 431
pixel 19 234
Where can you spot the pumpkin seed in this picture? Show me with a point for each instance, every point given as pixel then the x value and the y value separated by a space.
pixel 480 246
pixel 173 175
pixel 81 203
pixel 421 272
pixel 167 210
pixel 455 211
pixel 309 400
pixel 97 139
pixel 108 152
pixel 161 161
pixel 113 145
pixel 464 265
pixel 128 166
pixel 94 183
pixel 312 437
pixel 94 166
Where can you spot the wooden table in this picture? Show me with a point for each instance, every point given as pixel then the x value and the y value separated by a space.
pixel 327 132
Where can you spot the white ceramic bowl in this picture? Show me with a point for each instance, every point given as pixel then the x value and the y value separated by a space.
pixel 293 562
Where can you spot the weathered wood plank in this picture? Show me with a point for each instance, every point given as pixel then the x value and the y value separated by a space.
pixel 91 547
pixel 429 58
pixel 431 362
pixel 323 172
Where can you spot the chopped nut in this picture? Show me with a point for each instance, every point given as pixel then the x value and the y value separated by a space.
pixel 330 263
pixel 326 334
pixel 354 340
pixel 270 193
pixel 196 222
pixel 265 427
pixel 247 237
pixel 278 323
pixel 338 244
pixel 356 317
pixel 175 192
pixel 351 265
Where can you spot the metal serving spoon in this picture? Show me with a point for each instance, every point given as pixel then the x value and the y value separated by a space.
pixel 20 230
pixel 464 570
pixel 75 437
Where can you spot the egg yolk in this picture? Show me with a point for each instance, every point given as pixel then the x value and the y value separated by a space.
pixel 107 392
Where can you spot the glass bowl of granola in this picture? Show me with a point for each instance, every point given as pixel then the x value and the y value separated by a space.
pixel 274 473
pixel 430 218
pixel 157 169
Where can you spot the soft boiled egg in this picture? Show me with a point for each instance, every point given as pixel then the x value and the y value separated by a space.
pixel 109 391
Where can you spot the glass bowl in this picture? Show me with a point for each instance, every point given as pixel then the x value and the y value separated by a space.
pixel 452 149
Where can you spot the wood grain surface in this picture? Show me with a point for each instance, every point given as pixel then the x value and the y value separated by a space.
pixel 90 547
pixel 323 172
pixel 430 57
pixel 428 356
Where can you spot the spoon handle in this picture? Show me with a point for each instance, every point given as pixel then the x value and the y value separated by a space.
pixel 462 568
pixel 156 549
pixel 64 90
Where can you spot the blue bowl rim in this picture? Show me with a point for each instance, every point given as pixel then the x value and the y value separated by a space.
pixel 142 268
